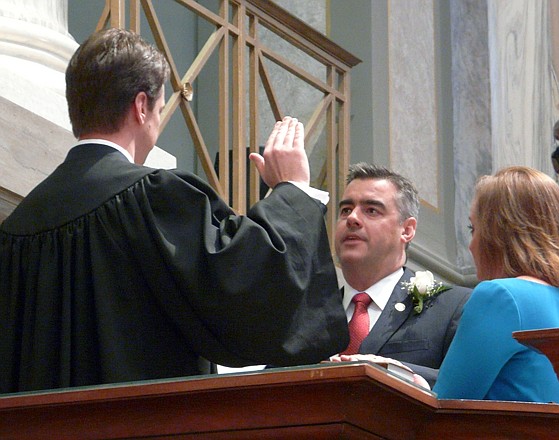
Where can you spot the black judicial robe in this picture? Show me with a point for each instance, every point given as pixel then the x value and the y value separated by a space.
pixel 113 272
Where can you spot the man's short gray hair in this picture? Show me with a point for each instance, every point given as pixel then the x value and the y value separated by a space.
pixel 407 198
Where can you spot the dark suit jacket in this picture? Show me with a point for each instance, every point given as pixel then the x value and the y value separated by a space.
pixel 420 341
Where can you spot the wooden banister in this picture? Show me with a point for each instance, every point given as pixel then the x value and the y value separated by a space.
pixel 343 401
pixel 244 66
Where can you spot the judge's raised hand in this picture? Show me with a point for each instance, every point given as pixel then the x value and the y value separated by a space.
pixel 284 157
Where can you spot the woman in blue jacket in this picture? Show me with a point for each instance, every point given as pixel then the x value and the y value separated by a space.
pixel 515 246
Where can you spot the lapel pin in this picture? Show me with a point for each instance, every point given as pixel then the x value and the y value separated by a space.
pixel 400 307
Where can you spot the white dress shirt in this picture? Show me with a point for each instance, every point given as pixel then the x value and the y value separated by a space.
pixel 379 292
pixel 108 144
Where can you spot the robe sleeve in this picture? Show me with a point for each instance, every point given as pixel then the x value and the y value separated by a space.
pixel 254 289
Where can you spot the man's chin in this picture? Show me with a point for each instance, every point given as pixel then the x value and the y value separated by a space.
pixel 352 247
pixel 349 259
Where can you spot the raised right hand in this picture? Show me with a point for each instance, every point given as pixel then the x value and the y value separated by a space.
pixel 284 157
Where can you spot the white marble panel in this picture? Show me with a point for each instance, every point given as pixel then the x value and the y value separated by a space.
pixel 30 147
pixel 412 96
pixel 522 83
pixel 35 48
pixel 471 112
pixel 554 41
pixel 52 14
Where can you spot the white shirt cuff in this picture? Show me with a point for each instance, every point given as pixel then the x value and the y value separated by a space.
pixel 322 196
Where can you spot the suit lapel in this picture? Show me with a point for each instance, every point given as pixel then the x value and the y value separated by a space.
pixel 391 318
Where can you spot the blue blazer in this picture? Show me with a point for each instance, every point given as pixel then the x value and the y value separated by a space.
pixel 485 361
pixel 420 341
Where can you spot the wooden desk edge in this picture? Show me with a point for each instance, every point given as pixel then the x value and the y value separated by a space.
pixel 275 377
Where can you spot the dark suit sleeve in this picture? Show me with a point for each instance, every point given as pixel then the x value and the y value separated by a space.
pixel 464 294
pixel 431 374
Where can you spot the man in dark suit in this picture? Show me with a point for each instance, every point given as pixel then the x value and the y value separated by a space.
pixel 111 271
pixel 377 221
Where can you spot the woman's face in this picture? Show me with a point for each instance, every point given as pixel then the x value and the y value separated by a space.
pixel 487 267
pixel 474 244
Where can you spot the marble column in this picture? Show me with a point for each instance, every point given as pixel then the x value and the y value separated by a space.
pixel 505 98
pixel 554 42
pixel 522 83
pixel 35 48
pixel 471 113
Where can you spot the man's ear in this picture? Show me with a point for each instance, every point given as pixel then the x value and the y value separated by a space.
pixel 140 107
pixel 408 229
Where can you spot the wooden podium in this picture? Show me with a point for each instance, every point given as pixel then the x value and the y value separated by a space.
pixel 544 340
pixel 345 401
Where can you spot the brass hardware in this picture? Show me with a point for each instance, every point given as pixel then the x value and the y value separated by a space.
pixel 187 91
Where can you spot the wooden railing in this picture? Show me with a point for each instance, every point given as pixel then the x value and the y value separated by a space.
pixel 544 340
pixel 344 401
pixel 245 61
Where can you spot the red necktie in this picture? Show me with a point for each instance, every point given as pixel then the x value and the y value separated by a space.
pixel 359 324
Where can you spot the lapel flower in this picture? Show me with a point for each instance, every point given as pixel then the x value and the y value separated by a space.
pixel 421 287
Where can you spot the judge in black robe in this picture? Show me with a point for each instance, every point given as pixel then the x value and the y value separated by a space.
pixel 111 271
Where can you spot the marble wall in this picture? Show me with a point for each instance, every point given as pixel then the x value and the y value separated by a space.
pixel 554 41
pixel 457 89
pixel 471 112
pixel 413 134
pixel 522 82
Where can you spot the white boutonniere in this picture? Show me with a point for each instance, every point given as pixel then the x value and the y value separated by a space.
pixel 422 287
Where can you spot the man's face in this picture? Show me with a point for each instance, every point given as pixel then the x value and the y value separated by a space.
pixel 369 234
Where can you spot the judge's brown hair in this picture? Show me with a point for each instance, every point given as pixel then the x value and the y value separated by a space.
pixel 518 223
pixel 104 76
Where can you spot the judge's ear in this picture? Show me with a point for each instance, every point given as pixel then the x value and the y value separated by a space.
pixel 409 226
pixel 140 107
